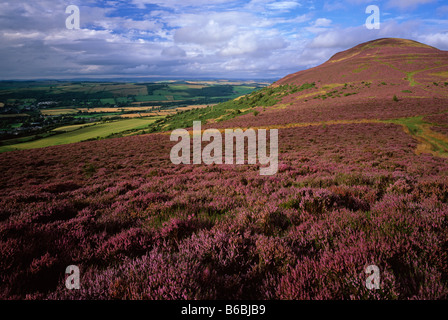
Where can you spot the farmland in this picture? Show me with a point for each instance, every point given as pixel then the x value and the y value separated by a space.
pixel 105 94
pixel 32 110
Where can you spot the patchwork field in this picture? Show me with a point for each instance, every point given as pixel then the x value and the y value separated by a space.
pixel 35 109
pixel 111 94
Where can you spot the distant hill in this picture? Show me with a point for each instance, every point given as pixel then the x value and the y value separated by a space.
pixel 390 59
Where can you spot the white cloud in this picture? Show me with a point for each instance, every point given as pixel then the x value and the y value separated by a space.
pixel 253 44
pixel 319 25
pixel 173 52
pixel 228 34
pixel 344 38
pixel 322 22
pixel 205 32
pixel 272 7
pixel 178 3
pixel 438 40
pixel 283 5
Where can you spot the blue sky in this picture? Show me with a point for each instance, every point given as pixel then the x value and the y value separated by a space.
pixel 251 39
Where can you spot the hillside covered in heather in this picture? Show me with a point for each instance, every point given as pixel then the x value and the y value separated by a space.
pixel 362 180
pixel 356 84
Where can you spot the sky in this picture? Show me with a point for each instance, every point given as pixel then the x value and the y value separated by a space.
pixel 198 39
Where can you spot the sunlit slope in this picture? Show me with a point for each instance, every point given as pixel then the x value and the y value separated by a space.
pixel 392 60
pixel 382 81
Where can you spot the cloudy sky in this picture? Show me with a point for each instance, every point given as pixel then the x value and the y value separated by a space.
pixel 252 39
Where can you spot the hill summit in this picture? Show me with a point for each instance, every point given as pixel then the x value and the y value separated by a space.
pixel 383 46
pixel 388 59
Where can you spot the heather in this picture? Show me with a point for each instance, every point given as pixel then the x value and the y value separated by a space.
pixel 345 196
pixel 438 119
pixel 353 107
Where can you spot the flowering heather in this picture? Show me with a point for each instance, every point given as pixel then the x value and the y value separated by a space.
pixel 345 196
pixel 439 119
pixel 356 107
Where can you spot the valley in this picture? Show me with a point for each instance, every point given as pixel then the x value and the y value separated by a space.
pixel 39 110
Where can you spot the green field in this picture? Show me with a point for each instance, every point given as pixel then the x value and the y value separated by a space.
pixel 74 127
pixel 28 92
pixel 108 100
pixel 91 132
pixel 150 98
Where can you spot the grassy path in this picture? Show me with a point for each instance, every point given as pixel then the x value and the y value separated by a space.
pixel 429 140
pixel 409 75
